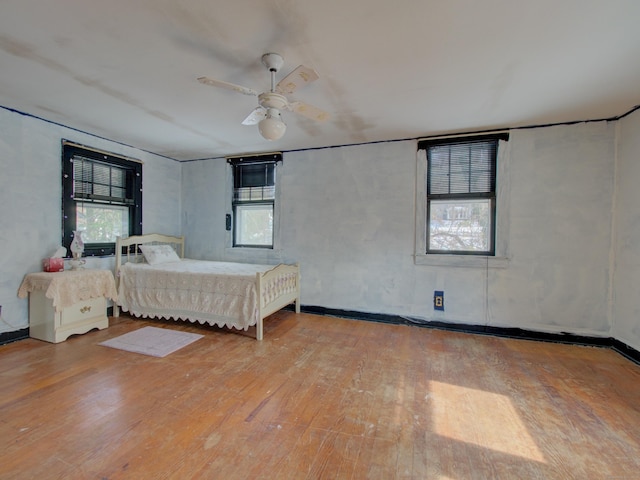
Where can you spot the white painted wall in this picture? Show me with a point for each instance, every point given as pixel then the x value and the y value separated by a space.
pixel 30 201
pixel 626 317
pixel 561 191
pixel 347 215
pixel 203 214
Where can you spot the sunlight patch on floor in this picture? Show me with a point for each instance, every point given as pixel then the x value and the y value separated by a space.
pixel 482 418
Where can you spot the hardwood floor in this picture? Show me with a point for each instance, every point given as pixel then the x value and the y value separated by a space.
pixel 319 397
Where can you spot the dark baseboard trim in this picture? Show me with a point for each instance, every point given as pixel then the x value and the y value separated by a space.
pixel 519 333
pixel 625 350
pixel 8 337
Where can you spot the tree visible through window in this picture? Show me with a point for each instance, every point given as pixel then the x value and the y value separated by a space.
pixel 461 194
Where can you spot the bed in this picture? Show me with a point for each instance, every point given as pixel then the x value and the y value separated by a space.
pixel 154 280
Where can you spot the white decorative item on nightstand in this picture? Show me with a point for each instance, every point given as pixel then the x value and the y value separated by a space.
pixel 67 303
pixel 77 249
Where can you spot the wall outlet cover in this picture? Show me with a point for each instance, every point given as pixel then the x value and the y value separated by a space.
pixel 438 300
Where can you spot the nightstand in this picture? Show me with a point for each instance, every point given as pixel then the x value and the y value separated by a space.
pixel 67 303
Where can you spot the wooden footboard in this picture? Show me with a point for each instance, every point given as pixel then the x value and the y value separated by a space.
pixel 277 288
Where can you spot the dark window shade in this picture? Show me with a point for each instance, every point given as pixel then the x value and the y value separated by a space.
pixel 462 168
pixel 254 178
pixel 254 182
pixel 99 182
pixel 254 175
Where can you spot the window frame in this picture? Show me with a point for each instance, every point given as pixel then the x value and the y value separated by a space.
pixel 236 164
pixel 133 169
pixel 498 256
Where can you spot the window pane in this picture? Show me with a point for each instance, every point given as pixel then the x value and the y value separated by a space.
pixel 102 223
pixel 460 225
pixel 254 225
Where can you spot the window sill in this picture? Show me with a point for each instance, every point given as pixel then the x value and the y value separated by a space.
pixel 462 261
pixel 253 255
pixel 250 249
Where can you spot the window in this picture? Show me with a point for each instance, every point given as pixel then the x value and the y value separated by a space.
pixel 101 195
pixel 254 193
pixel 461 194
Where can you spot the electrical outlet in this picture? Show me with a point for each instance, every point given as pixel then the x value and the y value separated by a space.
pixel 438 300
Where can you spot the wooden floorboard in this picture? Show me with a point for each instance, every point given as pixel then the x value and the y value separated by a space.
pixel 319 397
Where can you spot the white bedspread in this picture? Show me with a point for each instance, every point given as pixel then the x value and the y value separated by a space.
pixel 217 293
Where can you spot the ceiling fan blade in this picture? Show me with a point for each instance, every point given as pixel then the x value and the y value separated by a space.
pixel 229 86
pixel 298 78
pixel 309 111
pixel 255 116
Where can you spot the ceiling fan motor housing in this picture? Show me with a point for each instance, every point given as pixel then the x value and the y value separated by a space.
pixel 272 61
pixel 273 100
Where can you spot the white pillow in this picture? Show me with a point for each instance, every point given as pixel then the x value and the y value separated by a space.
pixel 157 254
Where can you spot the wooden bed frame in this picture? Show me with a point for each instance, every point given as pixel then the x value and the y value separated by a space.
pixel 271 298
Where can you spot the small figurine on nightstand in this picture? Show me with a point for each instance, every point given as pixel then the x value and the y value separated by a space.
pixel 77 248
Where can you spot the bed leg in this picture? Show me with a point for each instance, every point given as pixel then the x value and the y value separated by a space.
pixel 297 305
pixel 116 310
pixel 259 329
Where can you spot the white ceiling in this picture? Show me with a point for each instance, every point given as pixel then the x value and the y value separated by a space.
pixel 126 69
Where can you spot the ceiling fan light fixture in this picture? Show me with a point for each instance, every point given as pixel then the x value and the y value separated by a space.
pixel 272 127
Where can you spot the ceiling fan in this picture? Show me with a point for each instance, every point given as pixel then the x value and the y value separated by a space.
pixel 267 115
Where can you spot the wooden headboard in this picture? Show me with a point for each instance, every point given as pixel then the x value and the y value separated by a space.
pixel 127 248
